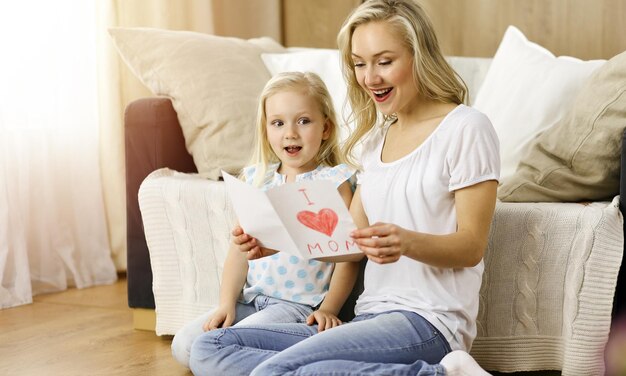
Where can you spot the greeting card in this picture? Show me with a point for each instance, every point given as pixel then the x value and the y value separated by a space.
pixel 308 219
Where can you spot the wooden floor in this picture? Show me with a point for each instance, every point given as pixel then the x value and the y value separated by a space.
pixel 81 332
pixel 88 332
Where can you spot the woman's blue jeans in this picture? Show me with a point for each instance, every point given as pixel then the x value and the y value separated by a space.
pixel 391 343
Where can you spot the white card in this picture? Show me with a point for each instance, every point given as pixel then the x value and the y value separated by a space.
pixel 308 219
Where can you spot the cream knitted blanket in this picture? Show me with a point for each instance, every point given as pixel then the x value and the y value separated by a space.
pixel 545 302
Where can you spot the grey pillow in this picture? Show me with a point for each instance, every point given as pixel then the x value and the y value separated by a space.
pixel 578 158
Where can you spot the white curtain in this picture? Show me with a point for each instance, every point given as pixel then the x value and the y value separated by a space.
pixel 53 231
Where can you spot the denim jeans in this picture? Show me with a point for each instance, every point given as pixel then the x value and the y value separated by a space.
pixel 262 310
pixel 390 343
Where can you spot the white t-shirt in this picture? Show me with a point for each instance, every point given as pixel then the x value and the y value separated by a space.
pixel 416 192
pixel 282 275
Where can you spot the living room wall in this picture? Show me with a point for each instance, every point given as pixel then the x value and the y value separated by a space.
pixel 581 28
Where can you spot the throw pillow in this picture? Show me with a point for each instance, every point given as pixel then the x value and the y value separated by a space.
pixel 472 70
pixel 526 90
pixel 327 64
pixel 213 82
pixel 579 157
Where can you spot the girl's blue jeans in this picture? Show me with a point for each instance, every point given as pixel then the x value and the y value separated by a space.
pixel 262 310
pixel 390 343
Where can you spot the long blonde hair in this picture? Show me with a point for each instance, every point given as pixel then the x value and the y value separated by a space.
pixel 434 78
pixel 312 85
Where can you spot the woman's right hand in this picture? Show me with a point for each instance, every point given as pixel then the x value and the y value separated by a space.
pixel 382 243
pixel 249 245
pixel 222 317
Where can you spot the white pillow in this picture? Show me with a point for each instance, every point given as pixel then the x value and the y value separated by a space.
pixel 327 64
pixel 472 70
pixel 526 90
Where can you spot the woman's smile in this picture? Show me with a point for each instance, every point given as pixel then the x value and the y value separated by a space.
pixel 381 95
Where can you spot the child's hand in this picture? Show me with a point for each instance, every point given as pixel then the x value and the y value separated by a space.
pixel 249 245
pixel 325 320
pixel 222 317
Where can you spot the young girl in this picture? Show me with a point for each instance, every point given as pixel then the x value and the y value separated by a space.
pixel 297 140
pixel 424 203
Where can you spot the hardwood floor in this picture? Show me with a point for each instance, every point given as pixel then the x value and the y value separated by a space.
pixel 81 332
pixel 89 332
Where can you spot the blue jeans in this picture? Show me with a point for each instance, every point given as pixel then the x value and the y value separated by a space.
pixel 262 310
pixel 390 343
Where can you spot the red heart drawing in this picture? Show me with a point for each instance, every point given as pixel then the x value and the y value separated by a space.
pixel 325 221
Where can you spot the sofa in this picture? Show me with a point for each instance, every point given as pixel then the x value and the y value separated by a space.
pixel 553 283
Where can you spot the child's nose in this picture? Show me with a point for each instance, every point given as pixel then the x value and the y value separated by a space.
pixel 291 131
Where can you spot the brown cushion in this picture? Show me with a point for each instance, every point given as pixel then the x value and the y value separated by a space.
pixel 213 82
pixel 578 158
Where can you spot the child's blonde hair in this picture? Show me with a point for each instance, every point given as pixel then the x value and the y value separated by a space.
pixel 312 85
pixel 434 78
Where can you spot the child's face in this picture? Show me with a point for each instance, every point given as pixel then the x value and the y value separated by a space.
pixel 384 67
pixel 295 130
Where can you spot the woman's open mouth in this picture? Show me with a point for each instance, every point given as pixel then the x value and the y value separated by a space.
pixel 382 94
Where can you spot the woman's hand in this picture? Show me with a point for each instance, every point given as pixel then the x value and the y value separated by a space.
pixel 325 320
pixel 249 245
pixel 222 317
pixel 382 243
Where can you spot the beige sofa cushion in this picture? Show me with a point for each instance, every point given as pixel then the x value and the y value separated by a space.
pixel 526 90
pixel 213 82
pixel 578 158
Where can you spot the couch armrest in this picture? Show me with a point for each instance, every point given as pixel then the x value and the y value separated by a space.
pixel 548 285
pixel 619 305
pixel 187 221
pixel 153 139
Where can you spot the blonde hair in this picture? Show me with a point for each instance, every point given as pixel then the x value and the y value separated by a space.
pixel 434 78
pixel 309 84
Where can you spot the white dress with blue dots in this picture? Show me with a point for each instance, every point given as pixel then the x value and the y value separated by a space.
pixel 282 275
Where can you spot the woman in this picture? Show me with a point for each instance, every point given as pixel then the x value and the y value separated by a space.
pixel 424 203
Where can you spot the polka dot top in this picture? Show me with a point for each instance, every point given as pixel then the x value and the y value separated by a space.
pixel 284 276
